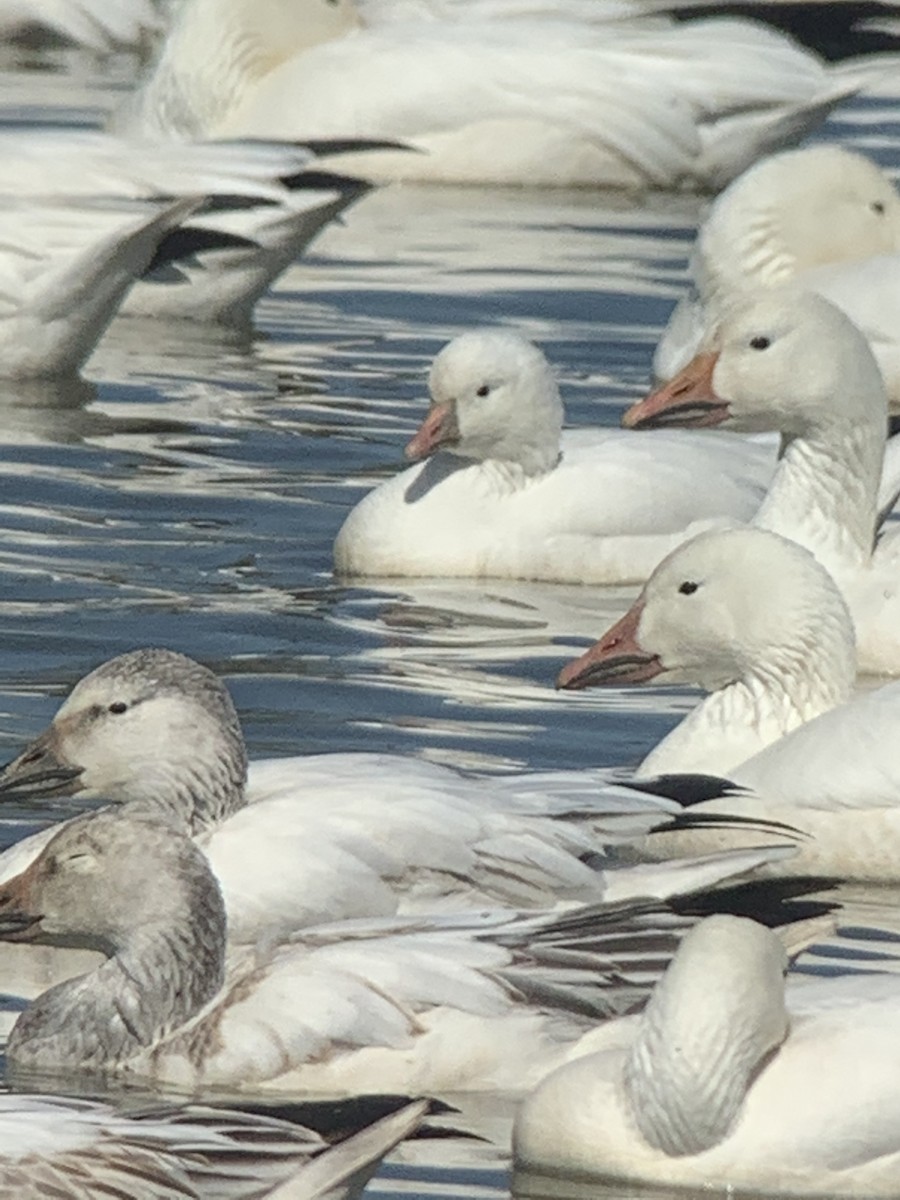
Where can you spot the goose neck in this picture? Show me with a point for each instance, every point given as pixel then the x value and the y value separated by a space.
pixel 194 796
pixel 155 982
pixel 824 495
pixel 738 720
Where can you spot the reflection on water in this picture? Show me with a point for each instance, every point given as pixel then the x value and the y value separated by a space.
pixel 187 495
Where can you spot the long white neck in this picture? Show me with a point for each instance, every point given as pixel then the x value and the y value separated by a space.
pixel 715 1016
pixel 738 720
pixel 824 495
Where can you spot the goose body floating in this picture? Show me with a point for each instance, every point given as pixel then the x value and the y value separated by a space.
pixel 719 1083
pixel 486 1000
pixel 491 93
pixel 501 490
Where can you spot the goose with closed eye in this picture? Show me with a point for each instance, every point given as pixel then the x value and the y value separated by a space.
pixel 487 1000
pixel 501 490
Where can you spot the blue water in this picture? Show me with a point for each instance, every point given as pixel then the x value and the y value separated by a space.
pixel 187 493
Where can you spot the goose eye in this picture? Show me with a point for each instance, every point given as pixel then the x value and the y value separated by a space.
pixel 688 588
pixel 760 343
pixel 877 206
pixel 117 707
pixel 484 390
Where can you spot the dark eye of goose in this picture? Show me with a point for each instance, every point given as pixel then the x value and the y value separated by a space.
pixel 484 390
pixel 117 707
pixel 877 206
pixel 760 343
pixel 688 588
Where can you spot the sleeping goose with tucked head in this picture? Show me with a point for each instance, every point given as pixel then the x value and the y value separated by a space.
pixel 504 492
pixel 719 1083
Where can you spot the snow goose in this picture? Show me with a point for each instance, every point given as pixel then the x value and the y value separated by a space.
pixel 481 1001
pixel 719 1083
pixel 746 615
pixel 502 93
pixel 823 217
pixel 758 622
pixel 327 836
pixel 62 1147
pixel 791 361
pixel 503 492
pixel 271 199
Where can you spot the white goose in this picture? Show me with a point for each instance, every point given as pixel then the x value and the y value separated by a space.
pixel 496 92
pixel 729 1083
pixel 751 618
pixel 483 1002
pixel 504 492
pixel 73 1149
pixel 271 199
pixel 754 619
pixel 791 361
pixel 823 217
pixel 330 836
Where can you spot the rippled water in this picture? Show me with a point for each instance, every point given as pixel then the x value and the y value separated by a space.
pixel 187 493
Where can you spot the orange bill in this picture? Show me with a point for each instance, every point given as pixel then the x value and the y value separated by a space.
pixel 617 658
pixel 439 428
pixel 689 399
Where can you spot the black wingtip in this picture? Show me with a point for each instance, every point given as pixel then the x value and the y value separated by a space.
pixel 725 820
pixel 326 181
pixel 687 788
pixel 323 147
pixel 772 902
pixel 187 241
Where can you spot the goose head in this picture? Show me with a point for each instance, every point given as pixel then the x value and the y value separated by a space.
pixel 793 211
pixel 106 878
pixel 729 606
pixel 493 396
pixel 151 727
pixel 779 359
